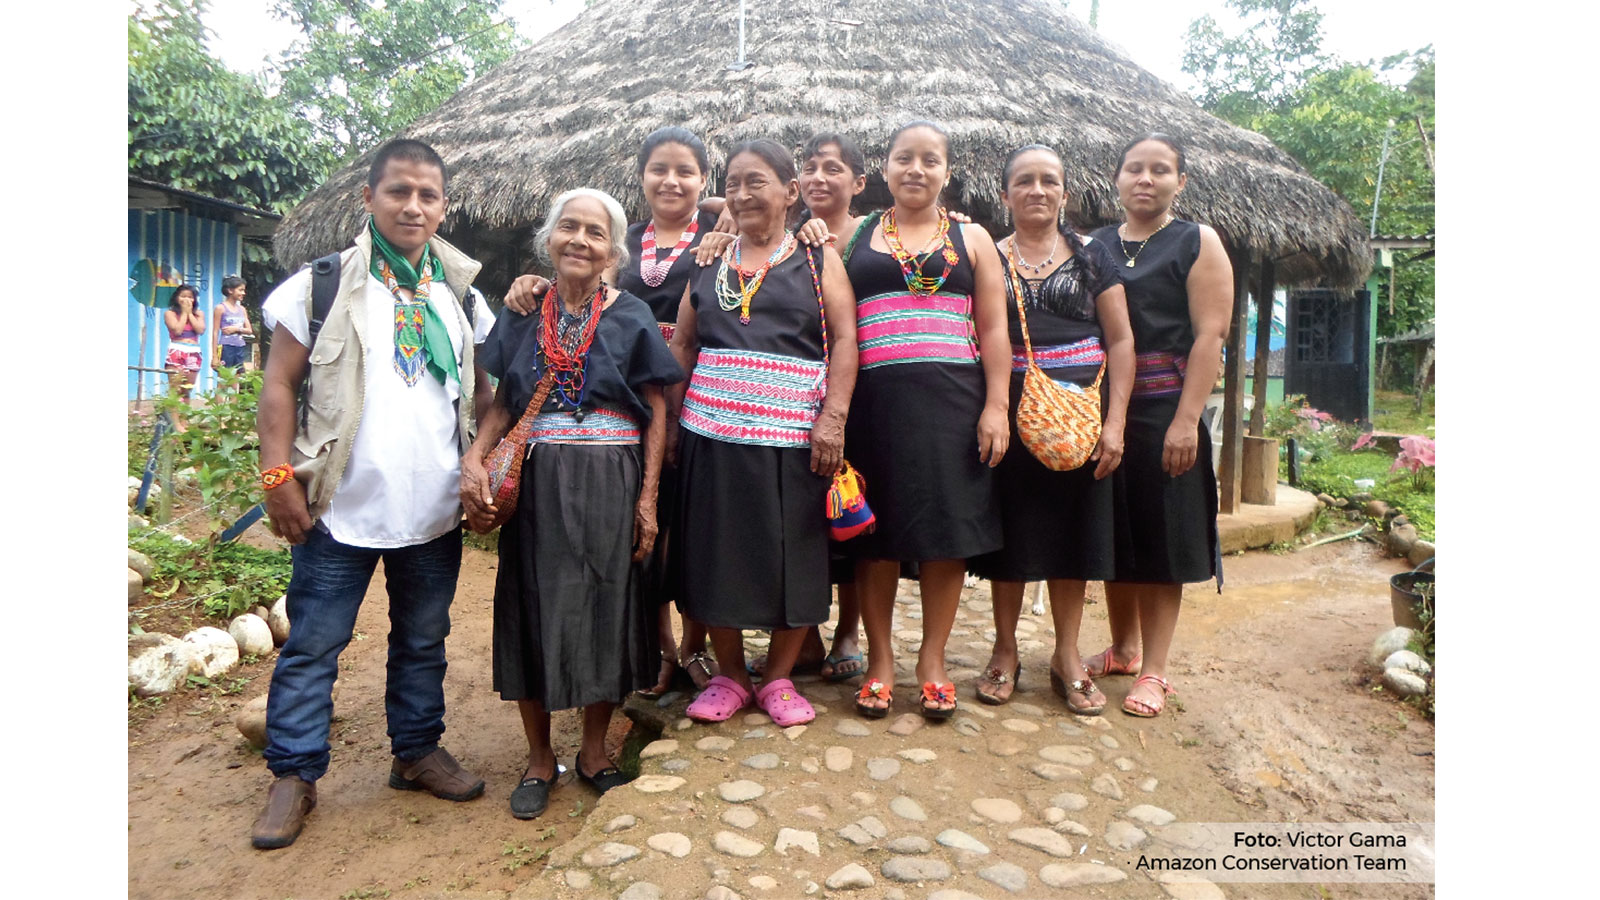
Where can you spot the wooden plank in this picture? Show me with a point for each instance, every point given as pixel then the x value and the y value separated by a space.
pixel 1266 286
pixel 1232 461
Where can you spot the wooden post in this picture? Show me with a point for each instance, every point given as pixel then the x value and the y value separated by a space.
pixel 1229 466
pixel 1265 288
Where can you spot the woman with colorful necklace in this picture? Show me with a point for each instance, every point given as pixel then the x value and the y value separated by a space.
pixel 929 421
pixel 1180 294
pixel 1058 527
pixel 571 624
pixel 768 336
pixel 672 167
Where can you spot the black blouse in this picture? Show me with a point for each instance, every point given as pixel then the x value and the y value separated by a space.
pixel 626 355
pixel 1157 286
pixel 1056 315
pixel 663 301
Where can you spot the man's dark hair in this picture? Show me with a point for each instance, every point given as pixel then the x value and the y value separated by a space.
pixel 410 151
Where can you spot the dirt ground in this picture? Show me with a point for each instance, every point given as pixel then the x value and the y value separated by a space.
pixel 1278 721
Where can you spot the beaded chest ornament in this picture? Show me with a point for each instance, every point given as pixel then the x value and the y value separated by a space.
pixel 911 265
pixel 653 270
pixel 565 359
pixel 749 282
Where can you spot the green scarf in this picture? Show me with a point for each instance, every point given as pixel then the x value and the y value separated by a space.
pixel 441 356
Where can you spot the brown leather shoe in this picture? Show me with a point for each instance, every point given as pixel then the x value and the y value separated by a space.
pixel 439 774
pixel 289 801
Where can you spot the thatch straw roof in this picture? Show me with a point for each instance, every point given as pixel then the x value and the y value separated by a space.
pixel 573 110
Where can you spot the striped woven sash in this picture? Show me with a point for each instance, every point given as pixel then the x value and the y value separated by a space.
pixel 1158 374
pixel 599 426
pixel 909 328
pixel 744 397
pixel 1086 352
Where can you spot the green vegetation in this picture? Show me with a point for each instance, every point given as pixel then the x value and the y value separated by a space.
pixel 221 446
pixel 221 580
pixel 1395 412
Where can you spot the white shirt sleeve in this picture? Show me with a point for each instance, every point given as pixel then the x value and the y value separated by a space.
pixel 286 306
pixel 483 317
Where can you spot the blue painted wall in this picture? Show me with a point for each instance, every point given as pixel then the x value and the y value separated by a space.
pixel 205 251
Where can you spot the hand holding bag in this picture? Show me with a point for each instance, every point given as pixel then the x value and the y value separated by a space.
pixel 1058 423
pixel 847 509
pixel 504 462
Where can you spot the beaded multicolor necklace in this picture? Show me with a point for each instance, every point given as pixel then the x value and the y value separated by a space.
pixel 567 359
pixel 727 298
pixel 911 266
pixel 652 270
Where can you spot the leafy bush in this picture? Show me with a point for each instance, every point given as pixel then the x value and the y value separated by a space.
pixel 221 446
pixel 223 579
pixel 1316 432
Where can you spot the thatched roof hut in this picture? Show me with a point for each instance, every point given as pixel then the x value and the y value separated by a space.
pixel 572 112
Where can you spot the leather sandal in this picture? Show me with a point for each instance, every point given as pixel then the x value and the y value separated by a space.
pixel 1105 663
pixel 1084 688
pixel 1133 706
pixel 289 801
pixel 704 663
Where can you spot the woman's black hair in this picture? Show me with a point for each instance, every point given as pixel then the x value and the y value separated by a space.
pixel 1157 136
pixel 186 287
pixel 231 282
pixel 672 134
pixel 1078 302
pixel 770 152
pixel 849 150
pixel 923 123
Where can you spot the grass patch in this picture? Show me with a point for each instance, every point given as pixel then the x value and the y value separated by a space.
pixel 1338 471
pixel 1394 411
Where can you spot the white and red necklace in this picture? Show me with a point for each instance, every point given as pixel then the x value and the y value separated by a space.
pixel 652 270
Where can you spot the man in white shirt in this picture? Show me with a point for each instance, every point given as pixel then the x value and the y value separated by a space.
pixel 366 466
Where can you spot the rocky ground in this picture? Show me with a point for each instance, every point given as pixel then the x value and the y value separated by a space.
pixel 1276 719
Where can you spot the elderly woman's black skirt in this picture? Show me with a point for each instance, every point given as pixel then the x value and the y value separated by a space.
pixel 753 532
pixel 571 624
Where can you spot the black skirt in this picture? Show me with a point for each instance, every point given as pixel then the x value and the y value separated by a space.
pixel 753 535
pixel 913 435
pixel 1168 525
pixel 1055 524
pixel 571 626
pixel 661 568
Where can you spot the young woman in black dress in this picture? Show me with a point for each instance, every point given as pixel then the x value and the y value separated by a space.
pixel 1059 527
pixel 1180 293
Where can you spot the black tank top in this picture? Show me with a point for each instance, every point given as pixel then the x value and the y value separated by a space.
pixel 1157 286
pixel 784 316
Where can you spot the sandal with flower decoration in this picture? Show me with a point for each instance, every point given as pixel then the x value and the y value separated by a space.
pixel 783 703
pixel 719 701
pixel 1133 706
pixel 1084 688
pixel 935 693
pixel 874 689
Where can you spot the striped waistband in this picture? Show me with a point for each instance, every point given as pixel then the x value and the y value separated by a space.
pixel 185 346
pixel 907 328
pixel 598 426
pixel 668 329
pixel 1158 374
pixel 1086 352
pixel 744 397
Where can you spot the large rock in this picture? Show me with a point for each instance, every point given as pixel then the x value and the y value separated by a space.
pixel 1421 552
pixel 158 663
pixel 278 620
pixel 135 585
pixel 215 651
pixel 1391 641
pixel 252 634
pixel 1404 683
pixel 133 490
pixel 140 563
pixel 1401 539
pixel 1405 659
pixel 251 720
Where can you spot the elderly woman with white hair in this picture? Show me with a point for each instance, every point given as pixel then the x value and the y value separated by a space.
pixel 571 625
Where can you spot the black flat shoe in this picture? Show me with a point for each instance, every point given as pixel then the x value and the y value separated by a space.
pixel 603 780
pixel 530 798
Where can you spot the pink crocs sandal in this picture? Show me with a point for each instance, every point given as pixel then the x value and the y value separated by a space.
pixel 783 703
pixel 721 698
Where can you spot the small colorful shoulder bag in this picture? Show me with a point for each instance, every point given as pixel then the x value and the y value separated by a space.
pixel 1058 423
pixel 847 509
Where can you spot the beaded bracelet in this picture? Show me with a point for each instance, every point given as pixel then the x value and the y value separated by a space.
pixel 277 476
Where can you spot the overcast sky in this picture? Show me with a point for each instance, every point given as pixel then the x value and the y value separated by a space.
pixel 1151 31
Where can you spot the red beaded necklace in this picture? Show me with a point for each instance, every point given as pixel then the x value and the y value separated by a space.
pixel 567 364
pixel 653 270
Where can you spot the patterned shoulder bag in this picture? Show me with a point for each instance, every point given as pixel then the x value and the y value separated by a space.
pixel 847 509
pixel 504 462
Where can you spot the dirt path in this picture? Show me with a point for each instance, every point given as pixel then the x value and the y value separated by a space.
pixel 1277 723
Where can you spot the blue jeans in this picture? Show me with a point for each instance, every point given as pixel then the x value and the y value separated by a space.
pixel 329 581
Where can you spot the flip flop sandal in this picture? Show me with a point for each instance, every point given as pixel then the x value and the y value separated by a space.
pixel 837 676
pixel 719 701
pixel 993 677
pixel 874 689
pixel 1082 688
pixel 603 780
pixel 1105 663
pixel 933 692
pixel 1133 706
pixel 783 703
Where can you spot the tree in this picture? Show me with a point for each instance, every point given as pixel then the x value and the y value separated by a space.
pixel 196 125
pixel 361 72
pixel 1261 67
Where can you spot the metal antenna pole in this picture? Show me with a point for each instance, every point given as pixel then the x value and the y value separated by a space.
pixel 741 63
pixel 1372 230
